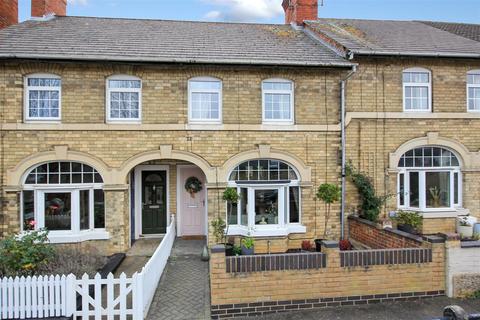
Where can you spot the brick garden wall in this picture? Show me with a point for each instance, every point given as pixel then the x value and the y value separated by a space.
pixel 256 293
pixel 369 234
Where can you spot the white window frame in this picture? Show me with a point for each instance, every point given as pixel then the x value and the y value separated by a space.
pixel 219 91
pixel 472 86
pixel 291 92
pixel 26 97
pixel 417 84
pixel 108 98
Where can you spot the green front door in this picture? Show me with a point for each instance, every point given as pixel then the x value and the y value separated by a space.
pixel 154 202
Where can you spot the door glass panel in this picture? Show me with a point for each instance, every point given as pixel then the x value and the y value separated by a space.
pixel 58 211
pixel 84 209
pixel 401 191
pixel 294 198
pixel 28 210
pixel 414 195
pixel 437 193
pixel 244 206
pixel 99 208
pixel 455 188
pixel 266 206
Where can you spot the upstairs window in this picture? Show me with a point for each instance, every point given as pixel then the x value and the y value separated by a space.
pixel 42 97
pixel 277 96
pixel 417 90
pixel 473 90
pixel 124 99
pixel 204 100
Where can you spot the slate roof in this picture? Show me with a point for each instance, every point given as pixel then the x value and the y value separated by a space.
pixel 467 30
pixel 86 38
pixel 387 37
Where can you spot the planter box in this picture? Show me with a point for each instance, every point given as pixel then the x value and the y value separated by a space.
pixel 465 231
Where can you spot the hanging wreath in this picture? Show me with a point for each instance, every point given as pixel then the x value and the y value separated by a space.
pixel 193 185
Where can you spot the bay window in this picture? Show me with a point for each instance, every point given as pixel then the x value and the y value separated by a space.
pixel 269 203
pixel 67 199
pixel 429 179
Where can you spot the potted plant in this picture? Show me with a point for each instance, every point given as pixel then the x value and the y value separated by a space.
pixel 464 227
pixel 307 245
pixel 408 221
pixel 248 246
pixel 231 196
pixel 218 226
pixel 328 193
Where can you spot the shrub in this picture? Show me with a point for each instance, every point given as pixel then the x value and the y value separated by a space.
pixel 328 193
pixel 237 250
pixel 230 195
pixel 248 242
pixel 218 226
pixel 345 245
pixel 25 254
pixel 371 203
pixel 307 245
pixel 410 218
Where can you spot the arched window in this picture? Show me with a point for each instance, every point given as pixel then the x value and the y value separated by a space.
pixel 473 90
pixel 124 99
pixel 205 100
pixel 269 198
pixel 278 102
pixel 43 97
pixel 417 90
pixel 429 179
pixel 66 198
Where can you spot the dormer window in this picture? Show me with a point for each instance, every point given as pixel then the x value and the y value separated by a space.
pixel 473 90
pixel 417 90
pixel 43 97
pixel 277 97
pixel 124 99
pixel 205 100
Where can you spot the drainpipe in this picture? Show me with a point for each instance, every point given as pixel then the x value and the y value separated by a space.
pixel 343 138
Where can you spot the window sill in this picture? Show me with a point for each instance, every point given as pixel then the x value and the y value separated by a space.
pixel 443 213
pixel 124 121
pixel 266 231
pixel 42 121
pixel 69 237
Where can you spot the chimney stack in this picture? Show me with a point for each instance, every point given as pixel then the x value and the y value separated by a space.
pixel 41 8
pixel 297 11
pixel 8 13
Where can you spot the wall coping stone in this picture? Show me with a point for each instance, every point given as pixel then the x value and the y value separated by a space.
pixel 470 244
pixel 218 248
pixel 434 239
pixel 330 244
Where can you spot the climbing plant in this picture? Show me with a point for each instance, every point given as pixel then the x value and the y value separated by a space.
pixel 371 205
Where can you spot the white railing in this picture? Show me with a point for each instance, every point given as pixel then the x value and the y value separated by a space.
pixel 86 298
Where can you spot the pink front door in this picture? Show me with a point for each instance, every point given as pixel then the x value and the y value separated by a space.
pixel 192 206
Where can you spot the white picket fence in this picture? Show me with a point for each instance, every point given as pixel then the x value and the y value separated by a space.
pixel 101 298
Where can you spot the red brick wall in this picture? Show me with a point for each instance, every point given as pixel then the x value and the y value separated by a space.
pixel 367 233
pixel 8 13
pixel 301 10
pixel 44 7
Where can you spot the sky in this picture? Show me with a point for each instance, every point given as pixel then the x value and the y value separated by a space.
pixel 270 11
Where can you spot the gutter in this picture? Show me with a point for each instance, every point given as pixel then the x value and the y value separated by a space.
pixel 173 60
pixel 413 54
pixel 343 147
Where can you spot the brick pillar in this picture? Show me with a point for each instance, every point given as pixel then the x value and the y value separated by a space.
pixel 8 13
pixel 10 213
pixel 117 219
pixel 297 11
pixel 219 282
pixel 42 8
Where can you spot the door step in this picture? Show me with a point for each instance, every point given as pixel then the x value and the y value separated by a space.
pixel 194 237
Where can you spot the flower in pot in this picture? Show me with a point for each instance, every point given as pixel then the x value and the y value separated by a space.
pixel 248 246
pixel 307 245
pixel 465 227
pixel 408 221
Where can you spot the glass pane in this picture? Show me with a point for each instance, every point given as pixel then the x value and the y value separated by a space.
pixel 84 209
pixel 455 187
pixel 414 195
pixel 124 84
pixel 437 191
pixel 244 206
pixel 277 106
pixel 205 85
pixel 58 211
pixel 28 210
pixel 99 208
pixel 401 191
pixel 232 213
pixel 266 206
pixel 294 200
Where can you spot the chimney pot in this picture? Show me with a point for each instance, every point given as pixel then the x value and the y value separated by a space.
pixel 297 11
pixel 42 8
pixel 8 13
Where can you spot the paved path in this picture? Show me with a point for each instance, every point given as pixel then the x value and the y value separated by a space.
pixel 137 256
pixel 425 309
pixel 184 290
